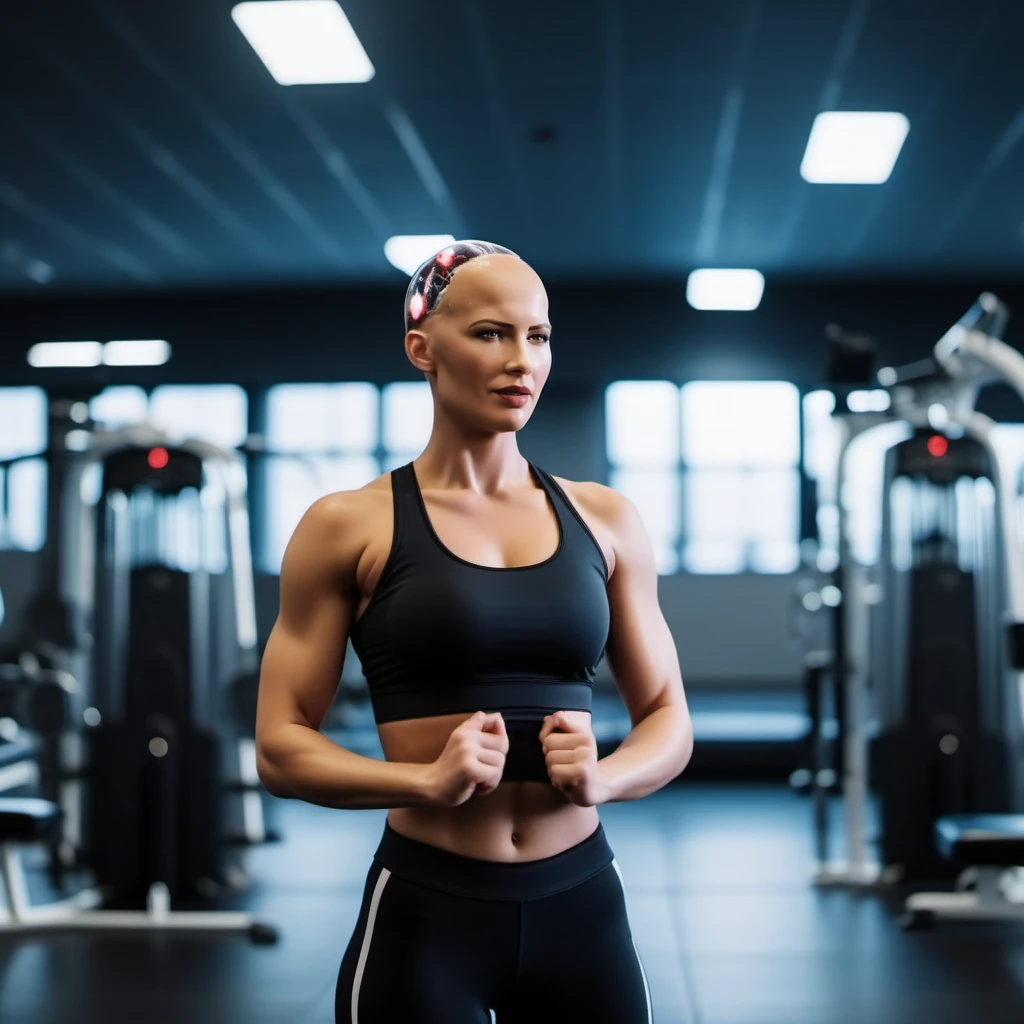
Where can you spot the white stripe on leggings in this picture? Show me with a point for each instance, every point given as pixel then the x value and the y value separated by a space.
pixel 643 973
pixel 364 952
pixel 367 937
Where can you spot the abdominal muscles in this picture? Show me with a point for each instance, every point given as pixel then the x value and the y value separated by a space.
pixel 519 821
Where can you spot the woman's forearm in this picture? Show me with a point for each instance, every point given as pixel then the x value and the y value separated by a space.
pixel 304 764
pixel 653 753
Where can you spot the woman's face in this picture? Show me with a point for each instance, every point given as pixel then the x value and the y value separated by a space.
pixel 489 331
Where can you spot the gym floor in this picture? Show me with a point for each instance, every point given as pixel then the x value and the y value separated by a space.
pixel 728 926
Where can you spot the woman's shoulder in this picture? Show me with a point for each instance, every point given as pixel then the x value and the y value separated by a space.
pixel 339 526
pixel 347 513
pixel 599 498
pixel 599 507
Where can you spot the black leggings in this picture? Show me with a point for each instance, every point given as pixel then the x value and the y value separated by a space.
pixel 447 939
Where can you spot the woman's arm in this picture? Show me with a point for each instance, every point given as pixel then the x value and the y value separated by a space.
pixel 305 764
pixel 641 654
pixel 300 672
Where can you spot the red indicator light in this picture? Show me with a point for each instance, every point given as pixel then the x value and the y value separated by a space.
pixel 446 258
pixel 158 458
pixel 937 446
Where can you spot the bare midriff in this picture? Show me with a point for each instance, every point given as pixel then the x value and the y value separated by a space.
pixel 518 821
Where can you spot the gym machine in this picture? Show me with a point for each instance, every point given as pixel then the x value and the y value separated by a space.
pixel 155 540
pixel 926 695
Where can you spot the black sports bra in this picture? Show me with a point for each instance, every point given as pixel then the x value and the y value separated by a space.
pixel 441 635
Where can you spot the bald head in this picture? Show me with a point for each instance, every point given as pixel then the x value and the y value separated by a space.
pixel 478 324
pixel 490 284
pixel 430 281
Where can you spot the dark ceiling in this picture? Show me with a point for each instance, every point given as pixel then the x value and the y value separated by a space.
pixel 144 145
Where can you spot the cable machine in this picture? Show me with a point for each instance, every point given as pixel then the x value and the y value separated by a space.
pixel 928 703
pixel 157 579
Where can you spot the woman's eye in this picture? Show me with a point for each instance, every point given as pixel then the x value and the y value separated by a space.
pixel 494 333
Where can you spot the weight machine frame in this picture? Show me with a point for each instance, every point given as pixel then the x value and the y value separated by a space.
pixel 968 357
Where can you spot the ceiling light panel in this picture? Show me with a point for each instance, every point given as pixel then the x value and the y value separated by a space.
pixel 153 352
pixel 407 252
pixel 304 42
pixel 65 353
pixel 725 289
pixel 853 147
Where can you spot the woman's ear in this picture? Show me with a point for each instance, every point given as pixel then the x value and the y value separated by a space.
pixel 418 350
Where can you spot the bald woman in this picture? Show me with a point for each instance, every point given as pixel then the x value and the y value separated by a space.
pixel 480 593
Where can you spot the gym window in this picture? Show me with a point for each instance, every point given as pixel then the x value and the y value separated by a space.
pixel 408 417
pixel 322 438
pixel 217 413
pixel 23 432
pixel 865 466
pixel 319 438
pixel 642 436
pixel 119 407
pixel 713 468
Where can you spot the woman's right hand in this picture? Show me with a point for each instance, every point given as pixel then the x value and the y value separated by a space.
pixel 472 761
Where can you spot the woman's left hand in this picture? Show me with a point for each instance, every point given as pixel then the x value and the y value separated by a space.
pixel 570 752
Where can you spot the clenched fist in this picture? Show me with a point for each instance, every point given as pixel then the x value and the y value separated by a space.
pixel 570 752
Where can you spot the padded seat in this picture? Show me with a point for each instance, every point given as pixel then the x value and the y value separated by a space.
pixel 990 849
pixel 27 819
pixel 975 839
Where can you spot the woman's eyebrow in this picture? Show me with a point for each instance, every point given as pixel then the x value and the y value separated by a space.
pixel 501 323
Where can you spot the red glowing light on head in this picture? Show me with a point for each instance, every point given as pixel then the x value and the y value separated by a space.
pixel 158 458
pixel 937 446
pixel 445 258
pixel 416 306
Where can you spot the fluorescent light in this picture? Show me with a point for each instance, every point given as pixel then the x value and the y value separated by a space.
pixel 875 400
pixel 725 289
pixel 304 42
pixel 136 353
pixel 66 353
pixel 853 147
pixel 407 252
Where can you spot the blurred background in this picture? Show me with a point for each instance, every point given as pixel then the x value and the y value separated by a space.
pixel 208 215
